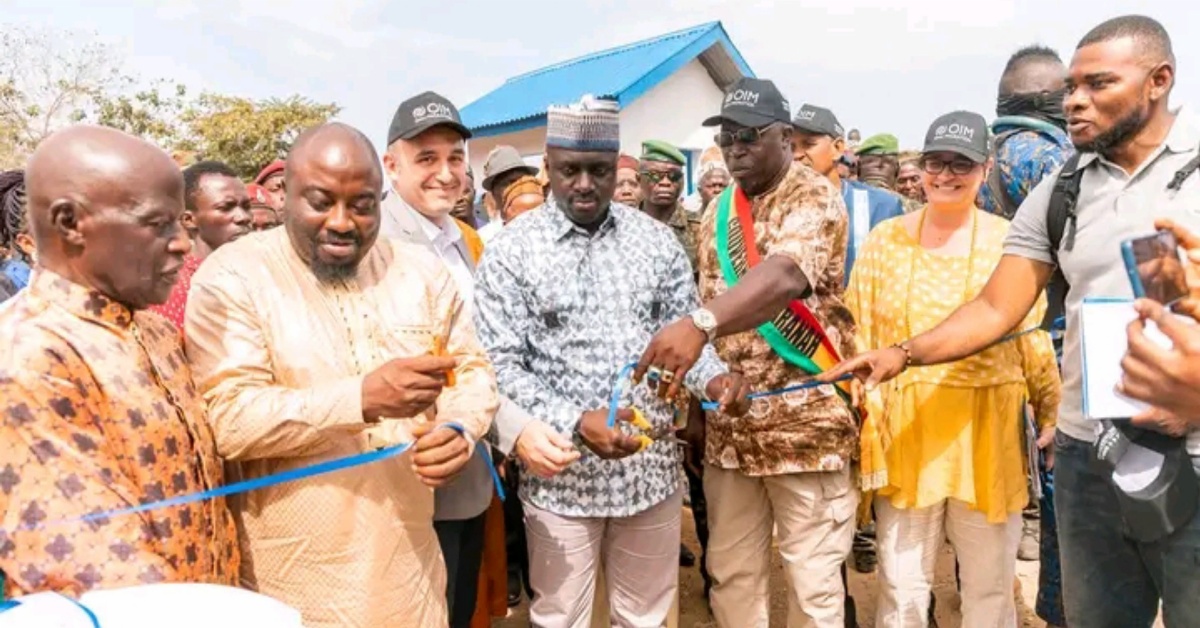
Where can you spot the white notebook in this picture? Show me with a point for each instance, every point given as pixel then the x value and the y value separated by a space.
pixel 1103 325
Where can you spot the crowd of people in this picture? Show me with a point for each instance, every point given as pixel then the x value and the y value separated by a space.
pixel 835 351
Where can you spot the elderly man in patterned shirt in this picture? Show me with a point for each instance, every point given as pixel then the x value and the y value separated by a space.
pixel 99 409
pixel 771 265
pixel 571 294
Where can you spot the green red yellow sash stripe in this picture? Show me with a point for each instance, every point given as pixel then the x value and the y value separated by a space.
pixel 794 334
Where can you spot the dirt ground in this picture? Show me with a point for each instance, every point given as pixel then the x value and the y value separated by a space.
pixel 693 612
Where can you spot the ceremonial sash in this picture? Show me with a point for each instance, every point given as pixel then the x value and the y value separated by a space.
pixel 795 334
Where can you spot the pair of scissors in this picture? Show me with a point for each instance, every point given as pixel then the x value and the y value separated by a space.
pixel 646 434
pixel 643 431
pixel 440 342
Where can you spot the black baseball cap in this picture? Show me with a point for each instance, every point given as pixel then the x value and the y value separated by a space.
pixel 423 112
pixel 818 120
pixel 961 132
pixel 754 103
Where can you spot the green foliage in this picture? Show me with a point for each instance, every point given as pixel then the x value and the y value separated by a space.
pixel 248 134
pixel 152 113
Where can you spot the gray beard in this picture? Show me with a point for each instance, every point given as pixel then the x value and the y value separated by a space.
pixel 330 273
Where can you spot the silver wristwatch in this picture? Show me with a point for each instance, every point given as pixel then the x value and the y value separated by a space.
pixel 706 322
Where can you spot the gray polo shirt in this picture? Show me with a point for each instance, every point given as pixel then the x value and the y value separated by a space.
pixel 1113 206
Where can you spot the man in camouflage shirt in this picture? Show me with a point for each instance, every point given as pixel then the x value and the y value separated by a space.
pixel 661 177
pixel 784 470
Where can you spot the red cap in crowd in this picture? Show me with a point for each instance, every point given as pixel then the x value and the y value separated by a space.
pixel 258 195
pixel 275 167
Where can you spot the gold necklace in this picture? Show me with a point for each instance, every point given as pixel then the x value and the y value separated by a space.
pixel 912 267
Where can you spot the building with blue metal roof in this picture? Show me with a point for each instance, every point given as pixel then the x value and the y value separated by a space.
pixel 666 86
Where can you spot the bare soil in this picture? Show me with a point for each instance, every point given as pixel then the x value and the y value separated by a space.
pixel 693 612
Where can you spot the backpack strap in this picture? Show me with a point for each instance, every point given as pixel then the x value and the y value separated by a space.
pixel 1060 221
pixel 1006 204
pixel 1183 173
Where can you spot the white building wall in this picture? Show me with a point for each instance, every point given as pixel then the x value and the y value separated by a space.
pixel 671 111
pixel 531 143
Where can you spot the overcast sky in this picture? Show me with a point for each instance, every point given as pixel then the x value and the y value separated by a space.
pixel 881 66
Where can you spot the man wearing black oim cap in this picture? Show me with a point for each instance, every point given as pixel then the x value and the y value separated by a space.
pixel 771 263
pixel 1136 163
pixel 426 164
pixel 818 142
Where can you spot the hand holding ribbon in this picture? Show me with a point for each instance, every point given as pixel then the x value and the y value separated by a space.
pixel 438 455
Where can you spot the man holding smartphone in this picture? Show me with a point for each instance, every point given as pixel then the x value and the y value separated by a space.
pixel 1168 378
pixel 1136 155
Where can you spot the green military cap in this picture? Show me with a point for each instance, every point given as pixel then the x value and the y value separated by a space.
pixel 881 144
pixel 658 150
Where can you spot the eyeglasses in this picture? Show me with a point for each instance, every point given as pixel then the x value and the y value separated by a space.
pixel 933 165
pixel 674 176
pixel 747 135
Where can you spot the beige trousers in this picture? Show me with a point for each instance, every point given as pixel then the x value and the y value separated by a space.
pixel 909 541
pixel 600 615
pixel 639 555
pixel 812 515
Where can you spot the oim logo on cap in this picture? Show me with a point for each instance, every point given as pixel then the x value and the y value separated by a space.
pixel 742 97
pixel 806 114
pixel 432 110
pixel 954 131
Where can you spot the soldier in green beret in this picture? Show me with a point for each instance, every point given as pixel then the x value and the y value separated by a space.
pixel 661 175
pixel 879 164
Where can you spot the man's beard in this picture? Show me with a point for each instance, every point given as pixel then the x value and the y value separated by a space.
pixel 1121 132
pixel 331 273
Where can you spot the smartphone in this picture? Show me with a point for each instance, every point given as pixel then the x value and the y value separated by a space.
pixel 1155 268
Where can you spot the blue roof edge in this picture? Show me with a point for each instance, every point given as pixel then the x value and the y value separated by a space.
pixel 615 50
pixel 716 34
pixel 512 126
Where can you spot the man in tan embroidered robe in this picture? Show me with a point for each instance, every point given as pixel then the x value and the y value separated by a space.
pixel 314 342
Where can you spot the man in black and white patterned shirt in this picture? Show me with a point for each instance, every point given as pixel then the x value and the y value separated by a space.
pixel 572 293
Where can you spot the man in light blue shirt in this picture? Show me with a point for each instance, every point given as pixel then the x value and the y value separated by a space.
pixel 817 142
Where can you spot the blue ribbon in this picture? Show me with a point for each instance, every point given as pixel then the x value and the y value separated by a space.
pixel 11 604
pixel 275 479
pixel 88 612
pixel 618 388
pixel 812 383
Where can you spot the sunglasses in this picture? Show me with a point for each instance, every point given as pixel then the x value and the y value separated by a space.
pixel 649 176
pixel 747 135
pixel 933 165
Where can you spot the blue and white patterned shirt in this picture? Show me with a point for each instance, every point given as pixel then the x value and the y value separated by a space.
pixel 560 311
pixel 1029 155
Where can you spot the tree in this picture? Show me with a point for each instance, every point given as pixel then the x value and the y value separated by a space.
pixel 153 113
pixel 248 134
pixel 48 79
